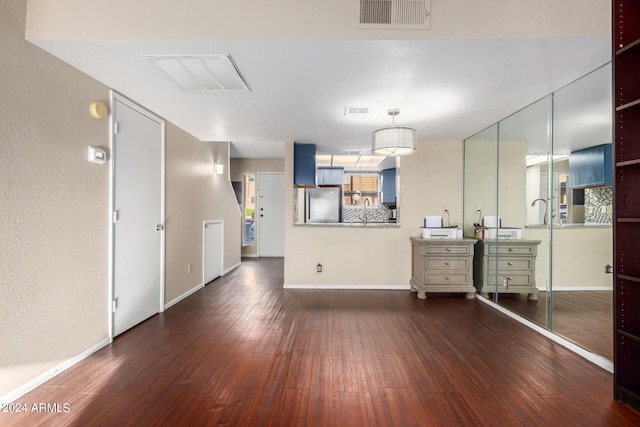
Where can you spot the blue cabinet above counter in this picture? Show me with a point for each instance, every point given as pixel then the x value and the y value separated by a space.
pixel 591 167
pixel 330 176
pixel 304 165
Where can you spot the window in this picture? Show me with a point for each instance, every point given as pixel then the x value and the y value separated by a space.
pixel 364 184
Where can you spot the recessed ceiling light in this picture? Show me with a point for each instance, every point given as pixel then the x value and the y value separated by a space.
pixel 201 72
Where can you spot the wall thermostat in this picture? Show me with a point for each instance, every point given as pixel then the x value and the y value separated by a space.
pixel 97 155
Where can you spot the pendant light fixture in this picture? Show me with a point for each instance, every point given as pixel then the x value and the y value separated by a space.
pixel 394 141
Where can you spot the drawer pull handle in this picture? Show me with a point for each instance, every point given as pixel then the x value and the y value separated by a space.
pixel 509 263
pixel 446 278
pixel 510 249
pixel 446 263
pixel 447 249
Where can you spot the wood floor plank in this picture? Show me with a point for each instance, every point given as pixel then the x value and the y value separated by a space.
pixel 243 351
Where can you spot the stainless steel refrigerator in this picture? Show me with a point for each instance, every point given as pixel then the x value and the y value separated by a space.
pixel 323 205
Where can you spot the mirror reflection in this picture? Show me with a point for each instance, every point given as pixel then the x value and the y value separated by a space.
pixel 538 196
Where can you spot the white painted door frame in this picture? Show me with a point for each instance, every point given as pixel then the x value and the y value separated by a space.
pixel 112 201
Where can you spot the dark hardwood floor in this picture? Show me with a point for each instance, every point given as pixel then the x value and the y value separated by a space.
pixel 584 317
pixel 245 352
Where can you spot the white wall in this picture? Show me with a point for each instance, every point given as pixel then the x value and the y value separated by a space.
pixel 430 179
pixel 580 255
pixel 54 209
pixel 194 193
pixel 300 20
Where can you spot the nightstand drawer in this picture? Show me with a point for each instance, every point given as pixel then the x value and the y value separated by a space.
pixel 448 249
pixel 515 279
pixel 445 278
pixel 447 263
pixel 512 249
pixel 510 263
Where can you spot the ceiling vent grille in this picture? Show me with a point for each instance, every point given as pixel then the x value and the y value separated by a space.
pixel 201 72
pixel 394 14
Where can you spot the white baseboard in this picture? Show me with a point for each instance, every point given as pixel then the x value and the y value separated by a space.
pixel 230 269
pixel 43 378
pixel 351 287
pixel 183 296
pixel 249 255
pixel 602 362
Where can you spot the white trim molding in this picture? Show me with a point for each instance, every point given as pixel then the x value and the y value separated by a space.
pixel 183 296
pixel 46 376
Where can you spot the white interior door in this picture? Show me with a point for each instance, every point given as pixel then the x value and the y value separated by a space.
pixel 270 214
pixel 138 231
pixel 212 251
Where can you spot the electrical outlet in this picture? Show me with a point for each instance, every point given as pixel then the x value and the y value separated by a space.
pixel 189 268
pixel 319 268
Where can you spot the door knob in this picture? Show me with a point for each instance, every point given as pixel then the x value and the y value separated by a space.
pixel 159 227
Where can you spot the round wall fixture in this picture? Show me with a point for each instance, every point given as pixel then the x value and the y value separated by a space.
pixel 98 110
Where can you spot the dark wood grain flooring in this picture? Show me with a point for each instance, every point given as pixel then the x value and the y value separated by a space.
pixel 584 317
pixel 245 352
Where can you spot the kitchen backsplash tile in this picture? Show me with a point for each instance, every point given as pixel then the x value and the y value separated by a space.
pixel 374 214
pixel 597 205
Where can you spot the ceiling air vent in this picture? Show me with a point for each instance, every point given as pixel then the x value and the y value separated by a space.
pixel 395 14
pixel 201 72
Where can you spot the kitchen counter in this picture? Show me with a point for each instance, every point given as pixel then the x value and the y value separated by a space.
pixel 561 226
pixel 354 225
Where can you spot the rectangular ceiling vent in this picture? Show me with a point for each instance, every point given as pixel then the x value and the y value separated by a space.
pixel 394 14
pixel 201 72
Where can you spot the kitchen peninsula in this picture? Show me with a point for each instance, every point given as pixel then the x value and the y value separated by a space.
pixel 347 190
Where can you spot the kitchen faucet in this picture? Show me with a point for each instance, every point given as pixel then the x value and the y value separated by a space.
pixel 545 208
pixel 364 214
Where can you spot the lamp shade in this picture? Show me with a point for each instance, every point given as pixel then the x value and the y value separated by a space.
pixel 394 141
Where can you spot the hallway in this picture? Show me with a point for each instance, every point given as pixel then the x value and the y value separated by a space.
pixel 243 351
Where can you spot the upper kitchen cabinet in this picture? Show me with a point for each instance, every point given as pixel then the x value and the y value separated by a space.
pixel 389 185
pixel 304 165
pixel 591 167
pixel 330 176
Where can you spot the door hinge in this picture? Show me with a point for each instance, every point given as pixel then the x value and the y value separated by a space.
pixel 114 305
pixel 116 216
pixel 115 127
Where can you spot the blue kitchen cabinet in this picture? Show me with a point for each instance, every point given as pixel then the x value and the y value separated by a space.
pixel 330 176
pixel 591 167
pixel 304 165
pixel 389 185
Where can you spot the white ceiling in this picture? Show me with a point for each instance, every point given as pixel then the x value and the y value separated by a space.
pixel 446 89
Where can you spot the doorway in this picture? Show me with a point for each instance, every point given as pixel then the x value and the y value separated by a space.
pixel 137 200
pixel 270 214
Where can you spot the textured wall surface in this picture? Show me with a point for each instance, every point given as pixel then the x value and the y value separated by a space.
pixel 359 256
pixel 54 209
pixel 54 228
pixel 194 193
